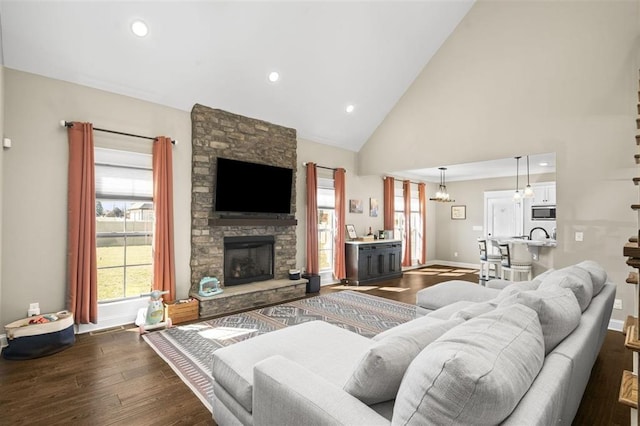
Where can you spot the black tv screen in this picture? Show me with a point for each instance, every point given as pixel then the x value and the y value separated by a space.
pixel 244 187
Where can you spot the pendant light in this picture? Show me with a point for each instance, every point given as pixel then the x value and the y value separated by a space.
pixel 442 195
pixel 517 196
pixel 528 190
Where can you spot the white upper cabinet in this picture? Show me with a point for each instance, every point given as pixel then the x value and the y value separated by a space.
pixel 544 194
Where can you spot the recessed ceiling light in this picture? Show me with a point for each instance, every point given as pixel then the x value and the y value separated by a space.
pixel 139 28
pixel 350 108
pixel 273 76
pixel 544 164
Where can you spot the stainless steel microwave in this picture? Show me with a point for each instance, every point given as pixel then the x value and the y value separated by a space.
pixel 543 212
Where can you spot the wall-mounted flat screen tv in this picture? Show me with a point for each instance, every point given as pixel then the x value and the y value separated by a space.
pixel 245 187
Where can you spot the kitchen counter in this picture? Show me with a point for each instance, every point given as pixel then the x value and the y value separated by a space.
pixel 547 242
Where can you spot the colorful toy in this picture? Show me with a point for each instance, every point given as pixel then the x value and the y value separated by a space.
pixel 152 317
pixel 209 286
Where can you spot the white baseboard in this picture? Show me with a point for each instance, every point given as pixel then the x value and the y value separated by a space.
pixel 115 314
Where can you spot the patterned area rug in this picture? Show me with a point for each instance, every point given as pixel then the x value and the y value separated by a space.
pixel 189 349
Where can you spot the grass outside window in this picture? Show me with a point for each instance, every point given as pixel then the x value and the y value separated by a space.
pixel 115 281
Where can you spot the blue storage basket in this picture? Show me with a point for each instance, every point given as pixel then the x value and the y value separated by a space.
pixel 28 341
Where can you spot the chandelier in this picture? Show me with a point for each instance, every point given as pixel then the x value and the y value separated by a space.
pixel 442 195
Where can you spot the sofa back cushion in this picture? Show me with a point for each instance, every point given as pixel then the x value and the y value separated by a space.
pixel 557 309
pixel 576 279
pixel 378 375
pixel 475 373
pixel 597 272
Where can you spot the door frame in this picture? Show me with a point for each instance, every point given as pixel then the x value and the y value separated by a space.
pixel 502 194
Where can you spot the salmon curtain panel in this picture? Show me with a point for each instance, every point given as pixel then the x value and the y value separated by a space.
pixel 82 296
pixel 313 267
pixel 422 200
pixel 389 201
pixel 406 192
pixel 164 263
pixel 339 268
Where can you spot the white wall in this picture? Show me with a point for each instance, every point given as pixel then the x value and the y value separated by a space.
pixel 34 190
pixel 527 77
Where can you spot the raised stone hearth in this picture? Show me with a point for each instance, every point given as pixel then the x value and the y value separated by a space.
pixel 248 296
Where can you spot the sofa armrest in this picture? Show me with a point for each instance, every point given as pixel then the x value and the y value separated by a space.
pixel 286 393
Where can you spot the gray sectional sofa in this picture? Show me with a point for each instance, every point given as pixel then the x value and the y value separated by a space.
pixel 520 355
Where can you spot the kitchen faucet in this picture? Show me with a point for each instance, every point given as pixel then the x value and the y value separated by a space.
pixel 538 227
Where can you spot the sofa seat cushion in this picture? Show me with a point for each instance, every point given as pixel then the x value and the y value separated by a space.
pixel 577 279
pixel 325 349
pixel 448 292
pixel 476 373
pixel 378 375
pixel 557 309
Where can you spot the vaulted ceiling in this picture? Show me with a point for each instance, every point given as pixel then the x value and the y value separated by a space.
pixel 329 54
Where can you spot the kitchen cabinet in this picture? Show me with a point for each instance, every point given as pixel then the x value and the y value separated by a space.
pixel 368 262
pixel 544 194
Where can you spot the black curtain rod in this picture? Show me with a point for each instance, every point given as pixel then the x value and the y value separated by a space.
pixel 402 180
pixel 70 124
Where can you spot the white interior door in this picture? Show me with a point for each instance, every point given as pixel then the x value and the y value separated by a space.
pixel 503 217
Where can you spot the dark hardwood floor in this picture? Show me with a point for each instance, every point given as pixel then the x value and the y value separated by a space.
pixel 115 378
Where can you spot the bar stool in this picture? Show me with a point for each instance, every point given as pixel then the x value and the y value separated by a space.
pixel 516 260
pixel 486 260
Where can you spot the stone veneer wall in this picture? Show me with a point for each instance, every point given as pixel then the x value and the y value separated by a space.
pixel 220 133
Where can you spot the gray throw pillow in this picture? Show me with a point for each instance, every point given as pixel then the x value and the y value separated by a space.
pixel 557 309
pixel 475 310
pixel 517 287
pixel 378 375
pixel 474 374
pixel 402 328
pixel 575 279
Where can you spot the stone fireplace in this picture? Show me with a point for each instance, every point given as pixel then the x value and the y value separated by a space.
pixel 217 133
pixel 248 259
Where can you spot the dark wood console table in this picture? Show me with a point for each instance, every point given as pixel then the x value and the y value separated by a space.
pixel 371 261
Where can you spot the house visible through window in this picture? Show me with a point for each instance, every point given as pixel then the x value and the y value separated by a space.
pixel 124 223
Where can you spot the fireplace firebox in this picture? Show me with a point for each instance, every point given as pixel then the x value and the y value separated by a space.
pixel 248 259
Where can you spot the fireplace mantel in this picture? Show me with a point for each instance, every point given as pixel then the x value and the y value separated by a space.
pixel 217 221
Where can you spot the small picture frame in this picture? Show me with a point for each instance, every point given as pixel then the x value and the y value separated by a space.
pixel 373 207
pixel 459 212
pixel 355 206
pixel 351 232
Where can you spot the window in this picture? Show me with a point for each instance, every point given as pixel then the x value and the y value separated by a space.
pixel 326 225
pixel 416 221
pixel 124 223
